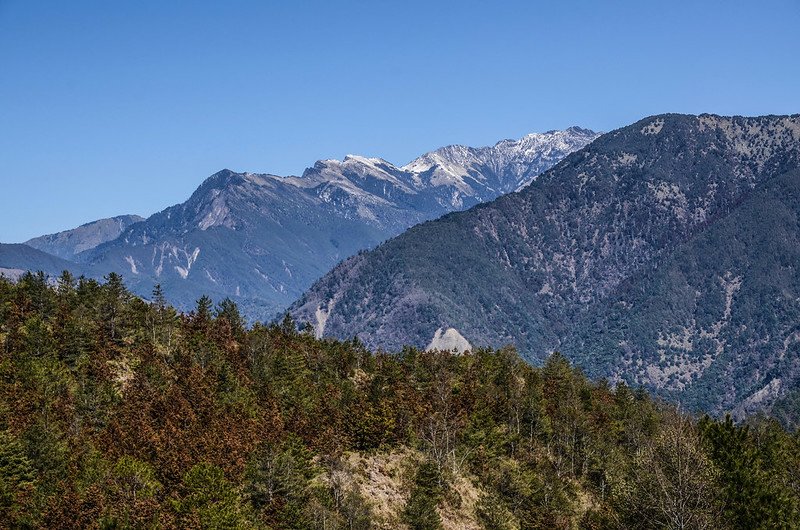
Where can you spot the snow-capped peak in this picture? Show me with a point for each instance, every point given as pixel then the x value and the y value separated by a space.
pixel 515 162
pixel 370 188
pixel 359 168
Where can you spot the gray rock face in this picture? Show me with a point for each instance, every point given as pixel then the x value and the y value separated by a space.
pixel 664 253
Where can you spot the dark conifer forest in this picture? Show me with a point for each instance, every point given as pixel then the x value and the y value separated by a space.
pixel 121 413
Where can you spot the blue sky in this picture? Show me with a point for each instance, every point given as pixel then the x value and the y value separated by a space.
pixel 125 107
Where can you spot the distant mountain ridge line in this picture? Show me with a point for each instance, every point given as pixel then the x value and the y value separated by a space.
pixel 262 239
pixel 68 243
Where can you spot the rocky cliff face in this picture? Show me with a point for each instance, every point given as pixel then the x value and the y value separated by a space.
pixel 624 255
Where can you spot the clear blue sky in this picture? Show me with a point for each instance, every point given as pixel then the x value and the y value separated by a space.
pixel 125 107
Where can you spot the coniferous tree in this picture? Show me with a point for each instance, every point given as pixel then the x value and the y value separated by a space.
pixel 750 500
pixel 229 312
pixel 420 511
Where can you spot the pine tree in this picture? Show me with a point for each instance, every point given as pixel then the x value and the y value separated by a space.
pixel 228 311
pixel 750 500
pixel 159 300
pixel 113 306
pixel 420 511
pixel 17 474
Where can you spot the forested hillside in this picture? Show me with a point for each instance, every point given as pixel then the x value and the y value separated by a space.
pixel 117 413
pixel 664 254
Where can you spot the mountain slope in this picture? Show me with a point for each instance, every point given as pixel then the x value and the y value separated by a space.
pixel 248 237
pixel 537 267
pixel 719 317
pixel 68 243
pixel 263 239
pixel 15 259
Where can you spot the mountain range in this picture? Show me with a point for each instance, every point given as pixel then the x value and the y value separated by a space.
pixel 69 243
pixel 263 239
pixel 663 254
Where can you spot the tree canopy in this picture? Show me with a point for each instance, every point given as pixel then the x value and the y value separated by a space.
pixel 116 412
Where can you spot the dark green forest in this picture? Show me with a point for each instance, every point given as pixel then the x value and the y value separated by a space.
pixel 121 413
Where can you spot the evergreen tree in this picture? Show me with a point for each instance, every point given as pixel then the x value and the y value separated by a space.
pixel 159 300
pixel 420 511
pixel 211 499
pixel 17 475
pixel 751 501
pixel 202 312
pixel 228 312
